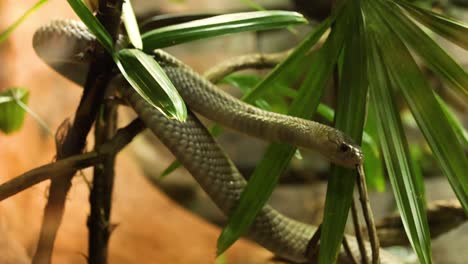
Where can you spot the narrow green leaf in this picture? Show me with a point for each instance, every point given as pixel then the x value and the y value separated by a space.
pixel 221 260
pixel 35 116
pixel 455 31
pixel 274 101
pixel 295 57
pixel 151 82
pixel 278 156
pixel 436 58
pixel 429 116
pixel 373 166
pixel 326 112
pixel 244 82
pixel 392 138
pixel 349 118
pixel 416 154
pixel 219 25
pixel 11 113
pixel 92 23
pixel 397 158
pixel 461 132
pixel 252 4
pixel 4 35
pixel 255 194
pixel 171 19
pixel 170 169
pixel 131 25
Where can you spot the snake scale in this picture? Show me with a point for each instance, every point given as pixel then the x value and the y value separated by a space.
pixel 67 46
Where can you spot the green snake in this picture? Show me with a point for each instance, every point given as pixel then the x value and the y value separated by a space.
pixel 67 46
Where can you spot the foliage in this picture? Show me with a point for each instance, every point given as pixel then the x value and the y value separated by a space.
pixel 12 102
pixel 389 69
pixel 369 49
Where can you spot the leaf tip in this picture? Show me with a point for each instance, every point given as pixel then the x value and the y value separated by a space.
pixel 225 241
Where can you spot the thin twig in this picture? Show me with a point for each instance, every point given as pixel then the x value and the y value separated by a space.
pixel 368 217
pixel 348 251
pixel 250 61
pixel 358 233
pixel 62 167
pixel 313 245
pixel 98 77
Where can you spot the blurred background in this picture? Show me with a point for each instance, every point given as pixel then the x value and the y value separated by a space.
pixel 170 219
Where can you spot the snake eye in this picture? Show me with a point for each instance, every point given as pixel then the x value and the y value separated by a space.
pixel 344 147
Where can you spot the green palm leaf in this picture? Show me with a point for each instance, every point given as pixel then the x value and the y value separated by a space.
pixel 427 111
pixel 455 31
pixel 11 111
pixel 436 58
pixel 219 25
pixel 392 138
pixel 151 82
pixel 277 156
pixel 350 117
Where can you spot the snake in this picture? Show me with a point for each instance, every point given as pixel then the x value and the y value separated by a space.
pixel 67 47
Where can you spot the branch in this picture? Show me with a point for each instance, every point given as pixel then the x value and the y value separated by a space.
pixel 100 197
pixel 442 217
pixel 250 61
pixel 48 171
pixel 98 77
pixel 65 166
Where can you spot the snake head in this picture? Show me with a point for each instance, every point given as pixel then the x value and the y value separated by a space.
pixel 342 150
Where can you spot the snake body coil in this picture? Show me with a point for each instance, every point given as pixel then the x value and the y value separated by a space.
pixel 196 149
